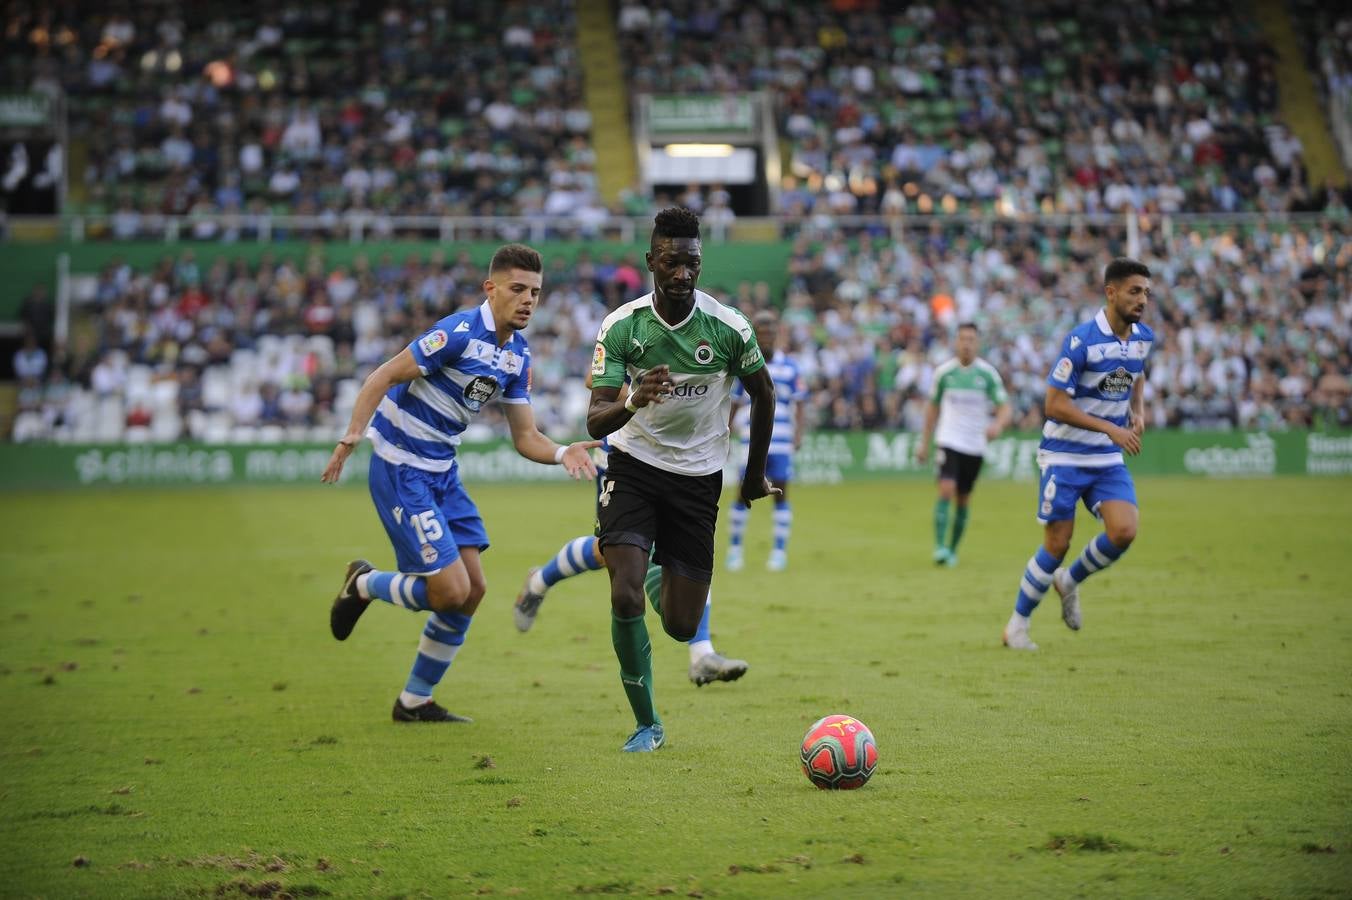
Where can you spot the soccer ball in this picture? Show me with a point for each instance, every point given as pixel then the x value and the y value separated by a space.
pixel 839 753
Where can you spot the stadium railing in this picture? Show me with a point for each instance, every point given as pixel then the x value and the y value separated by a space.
pixel 264 228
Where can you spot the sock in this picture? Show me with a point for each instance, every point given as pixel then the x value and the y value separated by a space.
pixel 941 522
pixel 652 587
pixel 737 518
pixel 440 642
pixel 1099 554
pixel 635 653
pixel 959 523
pixel 700 645
pixel 574 558
pixel 395 588
pixel 1037 578
pixel 783 522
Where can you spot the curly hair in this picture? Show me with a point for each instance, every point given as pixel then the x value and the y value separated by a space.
pixel 675 222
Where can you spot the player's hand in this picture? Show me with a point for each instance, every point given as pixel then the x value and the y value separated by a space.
pixel 992 431
pixel 1137 424
pixel 921 452
pixel 1127 439
pixel 653 386
pixel 339 457
pixel 577 460
pixel 754 490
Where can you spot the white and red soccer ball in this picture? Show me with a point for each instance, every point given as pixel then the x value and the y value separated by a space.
pixel 839 753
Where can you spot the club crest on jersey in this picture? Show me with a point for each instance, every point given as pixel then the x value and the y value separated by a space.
pixel 704 353
pixel 599 359
pixel 480 390
pixel 1117 382
pixel 432 342
pixel 429 554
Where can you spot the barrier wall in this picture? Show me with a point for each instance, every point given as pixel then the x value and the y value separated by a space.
pixel 826 458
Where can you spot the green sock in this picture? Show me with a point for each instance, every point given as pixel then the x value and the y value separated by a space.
pixel 635 653
pixel 941 522
pixel 959 523
pixel 652 586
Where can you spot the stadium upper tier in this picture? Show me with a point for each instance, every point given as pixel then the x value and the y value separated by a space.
pixel 453 107
pixel 1012 106
pixel 1254 329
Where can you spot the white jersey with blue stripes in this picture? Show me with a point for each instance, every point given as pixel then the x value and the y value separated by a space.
pixel 790 390
pixel 1098 370
pixel 419 423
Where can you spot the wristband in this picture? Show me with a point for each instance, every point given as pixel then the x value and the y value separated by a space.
pixel 629 404
pixel 558 454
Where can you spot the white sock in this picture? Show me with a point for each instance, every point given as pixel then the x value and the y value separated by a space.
pixel 1018 621
pixel 537 583
pixel 362 591
pixel 700 649
pixel 412 701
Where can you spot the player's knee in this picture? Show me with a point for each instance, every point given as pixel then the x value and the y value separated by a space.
pixel 1057 545
pixel 1122 534
pixel 678 629
pixel 447 596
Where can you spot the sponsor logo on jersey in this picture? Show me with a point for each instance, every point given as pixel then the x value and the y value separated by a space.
pixel 480 390
pixel 599 360
pixel 429 554
pixel 704 353
pixel 432 342
pixel 689 390
pixel 751 357
pixel 1075 342
pixel 1117 382
pixel 463 326
pixel 398 515
pixel 1063 369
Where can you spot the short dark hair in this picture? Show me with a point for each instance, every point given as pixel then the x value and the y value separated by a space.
pixel 675 222
pixel 971 325
pixel 516 256
pixel 1125 267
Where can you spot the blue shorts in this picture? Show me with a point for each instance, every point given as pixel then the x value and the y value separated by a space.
pixel 1062 486
pixel 427 515
pixel 778 467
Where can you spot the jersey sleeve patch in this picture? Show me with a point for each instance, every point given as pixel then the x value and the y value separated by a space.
pixel 599 359
pixel 1063 369
pixel 431 342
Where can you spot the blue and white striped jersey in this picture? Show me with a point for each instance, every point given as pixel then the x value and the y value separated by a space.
pixel 790 390
pixel 1098 371
pixel 418 423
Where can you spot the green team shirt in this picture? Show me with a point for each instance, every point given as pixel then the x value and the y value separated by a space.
pixel 966 397
pixel 688 432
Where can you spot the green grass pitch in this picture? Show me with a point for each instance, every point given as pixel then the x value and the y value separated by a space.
pixel 178 722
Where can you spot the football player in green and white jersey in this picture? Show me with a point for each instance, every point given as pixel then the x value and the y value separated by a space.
pixel 680 350
pixel 969 404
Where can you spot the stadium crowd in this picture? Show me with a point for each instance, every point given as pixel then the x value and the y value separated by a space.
pixel 1254 330
pixel 341 109
pixel 1015 106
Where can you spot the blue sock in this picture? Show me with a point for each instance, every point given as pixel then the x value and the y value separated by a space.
pixel 702 632
pixel 574 558
pixel 1100 553
pixel 783 522
pixel 1037 578
pixel 397 589
pixel 440 642
pixel 737 520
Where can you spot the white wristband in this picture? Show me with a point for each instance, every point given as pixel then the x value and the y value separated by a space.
pixel 629 404
pixel 558 454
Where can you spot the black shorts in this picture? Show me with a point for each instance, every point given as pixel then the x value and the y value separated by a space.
pixel 672 515
pixel 960 467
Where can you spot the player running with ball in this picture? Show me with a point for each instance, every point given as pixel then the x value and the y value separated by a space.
pixel 1095 410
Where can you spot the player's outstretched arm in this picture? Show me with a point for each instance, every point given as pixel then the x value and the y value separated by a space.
pixel 396 370
pixel 1062 408
pixel 761 389
pixel 532 444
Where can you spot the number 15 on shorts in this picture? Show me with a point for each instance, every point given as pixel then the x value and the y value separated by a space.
pixel 426 526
